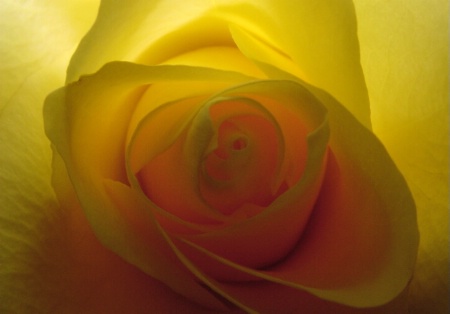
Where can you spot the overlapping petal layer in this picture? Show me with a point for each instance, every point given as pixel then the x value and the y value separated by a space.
pixel 183 243
pixel 364 210
pixel 250 38
pixel 96 152
pixel 264 238
pixel 319 38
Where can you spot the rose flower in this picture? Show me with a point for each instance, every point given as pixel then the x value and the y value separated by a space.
pixel 220 157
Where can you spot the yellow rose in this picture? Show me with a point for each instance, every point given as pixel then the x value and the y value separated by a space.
pixel 91 144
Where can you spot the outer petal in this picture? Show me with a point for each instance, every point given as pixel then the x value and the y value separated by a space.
pixel 320 38
pixel 407 76
pixel 127 228
pixel 136 26
pixel 33 57
pixel 347 218
pixel 39 36
pixel 96 166
pixel 89 269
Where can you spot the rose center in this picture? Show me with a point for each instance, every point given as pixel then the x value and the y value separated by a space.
pixel 240 170
pixel 231 154
pixel 239 144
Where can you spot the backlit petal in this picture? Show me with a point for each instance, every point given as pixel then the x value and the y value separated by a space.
pixel 365 237
pixel 319 38
pixel 94 153
pixel 404 47
pixel 37 40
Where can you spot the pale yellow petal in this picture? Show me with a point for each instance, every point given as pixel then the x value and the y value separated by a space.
pixel 135 28
pixel 319 38
pixel 36 43
pixel 404 46
pixel 35 37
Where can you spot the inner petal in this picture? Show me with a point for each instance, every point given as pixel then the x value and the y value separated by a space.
pixel 242 167
pixel 230 152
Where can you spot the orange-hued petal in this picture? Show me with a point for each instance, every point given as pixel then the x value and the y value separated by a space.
pixel 270 298
pixel 80 266
pixel 167 173
pixel 360 245
pixel 94 154
pixel 224 110
pixel 241 163
pixel 243 166
pixel 145 246
pixel 265 238
pixel 65 269
pixel 193 91
pixel 137 242
pixel 177 169
pixel 364 159
pixel 345 243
